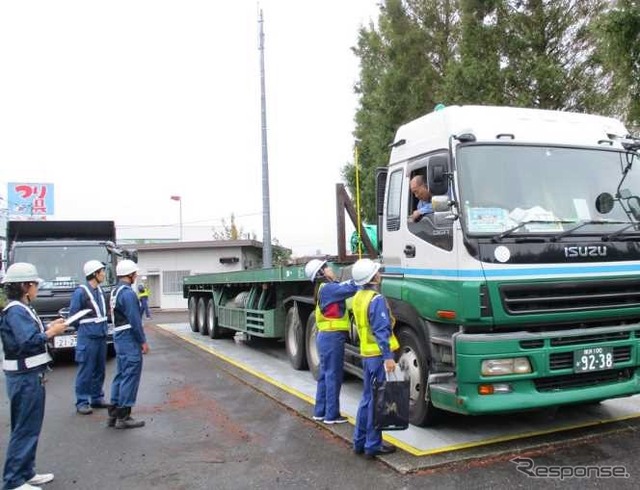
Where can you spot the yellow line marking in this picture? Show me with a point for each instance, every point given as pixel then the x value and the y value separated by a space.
pixel 389 438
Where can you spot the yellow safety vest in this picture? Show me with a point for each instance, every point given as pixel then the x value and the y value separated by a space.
pixel 368 345
pixel 330 324
pixel 144 293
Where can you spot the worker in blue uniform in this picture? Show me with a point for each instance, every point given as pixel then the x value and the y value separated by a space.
pixel 24 341
pixel 130 344
pixel 332 321
pixel 377 345
pixel 91 347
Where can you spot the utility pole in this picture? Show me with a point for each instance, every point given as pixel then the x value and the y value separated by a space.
pixel 266 216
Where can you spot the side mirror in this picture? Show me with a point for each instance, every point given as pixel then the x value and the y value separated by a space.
pixel 604 203
pixel 440 203
pixel 438 174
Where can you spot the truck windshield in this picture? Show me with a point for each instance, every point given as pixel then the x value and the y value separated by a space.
pixel 503 187
pixel 60 266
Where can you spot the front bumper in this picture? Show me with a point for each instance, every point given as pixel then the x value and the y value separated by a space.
pixel 554 379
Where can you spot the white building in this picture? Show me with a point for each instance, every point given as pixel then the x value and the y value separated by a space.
pixel 166 264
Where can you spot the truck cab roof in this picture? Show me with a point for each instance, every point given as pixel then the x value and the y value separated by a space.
pixel 493 124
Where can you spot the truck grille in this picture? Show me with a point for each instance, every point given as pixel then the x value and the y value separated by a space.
pixel 564 360
pixel 523 299
pixel 582 380
pixel 587 339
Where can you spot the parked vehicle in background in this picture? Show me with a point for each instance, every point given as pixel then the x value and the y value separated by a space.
pixel 59 250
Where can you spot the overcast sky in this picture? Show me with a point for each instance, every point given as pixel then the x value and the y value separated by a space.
pixel 122 104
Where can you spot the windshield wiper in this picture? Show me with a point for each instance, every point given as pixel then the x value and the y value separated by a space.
pixel 504 234
pixel 570 231
pixel 616 234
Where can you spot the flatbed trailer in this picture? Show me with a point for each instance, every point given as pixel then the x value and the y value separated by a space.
pixel 274 303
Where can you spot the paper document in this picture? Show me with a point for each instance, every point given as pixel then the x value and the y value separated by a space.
pixel 77 316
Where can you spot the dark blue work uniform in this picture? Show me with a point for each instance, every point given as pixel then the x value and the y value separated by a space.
pixel 91 348
pixel 128 337
pixel 25 361
pixel 333 329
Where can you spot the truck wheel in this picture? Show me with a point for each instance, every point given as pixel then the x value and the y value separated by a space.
pixel 212 321
pixel 193 313
pixel 313 358
pixel 294 339
pixel 202 315
pixel 414 359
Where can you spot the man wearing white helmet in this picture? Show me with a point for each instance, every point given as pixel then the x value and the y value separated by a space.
pixel 130 343
pixel 377 345
pixel 24 341
pixel 332 321
pixel 91 347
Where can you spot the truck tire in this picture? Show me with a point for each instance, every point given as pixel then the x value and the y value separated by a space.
pixel 193 313
pixel 212 321
pixel 313 357
pixel 202 315
pixel 413 357
pixel 294 339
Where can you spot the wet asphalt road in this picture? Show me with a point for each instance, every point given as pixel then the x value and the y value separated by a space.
pixel 207 429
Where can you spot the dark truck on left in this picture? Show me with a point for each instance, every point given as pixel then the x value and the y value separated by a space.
pixel 59 250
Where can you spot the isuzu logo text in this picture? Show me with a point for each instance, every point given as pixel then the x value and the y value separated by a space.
pixel 585 251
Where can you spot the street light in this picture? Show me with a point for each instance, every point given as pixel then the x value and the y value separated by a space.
pixel 179 199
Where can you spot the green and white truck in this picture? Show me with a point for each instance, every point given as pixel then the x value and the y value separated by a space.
pixel 520 291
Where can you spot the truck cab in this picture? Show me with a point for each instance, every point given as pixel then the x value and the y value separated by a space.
pixel 59 249
pixel 520 290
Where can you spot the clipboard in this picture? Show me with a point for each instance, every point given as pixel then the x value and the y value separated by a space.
pixel 77 316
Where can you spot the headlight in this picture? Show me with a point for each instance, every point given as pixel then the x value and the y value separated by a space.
pixel 500 367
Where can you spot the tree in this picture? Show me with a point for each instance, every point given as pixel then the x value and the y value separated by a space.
pixel 549 58
pixel 279 255
pixel 402 63
pixel 474 74
pixel 618 34
pixel 229 231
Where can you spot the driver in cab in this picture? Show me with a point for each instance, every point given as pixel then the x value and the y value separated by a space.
pixel 420 190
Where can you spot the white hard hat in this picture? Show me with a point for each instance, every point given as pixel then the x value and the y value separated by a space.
pixel 126 267
pixel 92 266
pixel 313 267
pixel 21 272
pixel 363 271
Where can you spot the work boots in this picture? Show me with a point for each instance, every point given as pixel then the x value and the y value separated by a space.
pixel 124 419
pixel 112 414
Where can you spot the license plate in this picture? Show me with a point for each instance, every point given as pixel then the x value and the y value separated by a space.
pixel 593 359
pixel 62 341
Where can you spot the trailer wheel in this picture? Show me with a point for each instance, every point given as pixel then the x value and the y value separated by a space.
pixel 414 359
pixel 313 357
pixel 193 313
pixel 204 326
pixel 294 339
pixel 202 315
pixel 212 321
